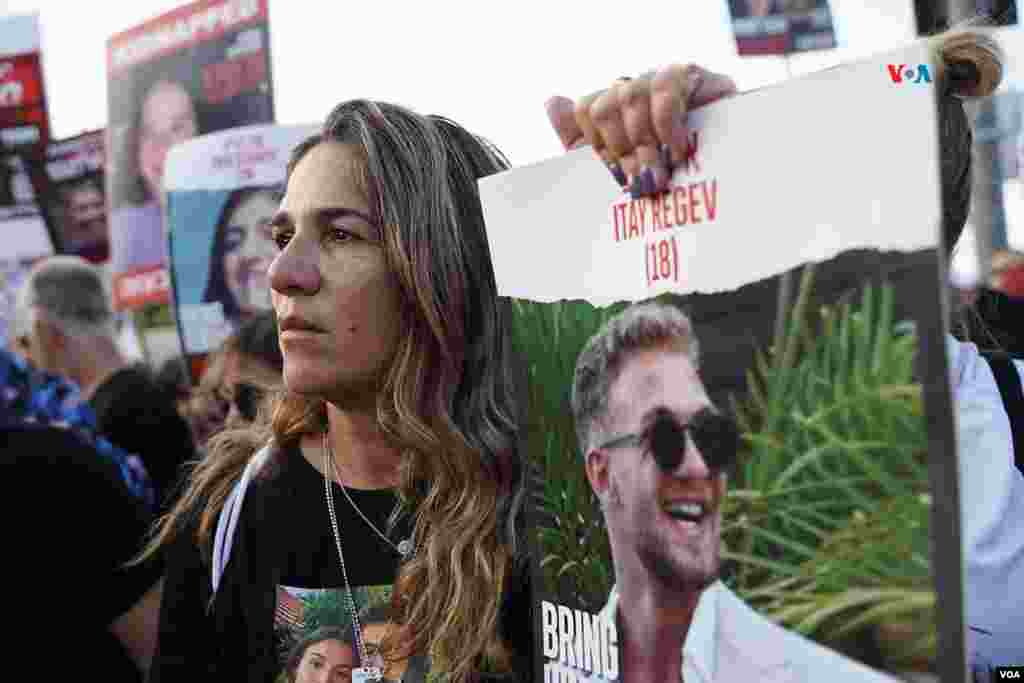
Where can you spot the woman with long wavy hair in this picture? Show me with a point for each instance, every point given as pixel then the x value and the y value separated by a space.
pixel 387 471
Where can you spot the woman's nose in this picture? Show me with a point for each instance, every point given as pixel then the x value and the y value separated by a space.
pixel 296 269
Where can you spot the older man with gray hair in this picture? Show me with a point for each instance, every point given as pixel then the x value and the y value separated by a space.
pixel 656 452
pixel 66 327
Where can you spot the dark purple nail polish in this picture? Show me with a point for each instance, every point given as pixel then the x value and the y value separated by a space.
pixel 647 185
pixel 617 173
pixel 661 178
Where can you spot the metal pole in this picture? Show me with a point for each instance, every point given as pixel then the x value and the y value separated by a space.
pixel 785 292
pixel 987 212
pixel 947 542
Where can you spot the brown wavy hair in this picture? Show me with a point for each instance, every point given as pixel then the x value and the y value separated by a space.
pixel 446 401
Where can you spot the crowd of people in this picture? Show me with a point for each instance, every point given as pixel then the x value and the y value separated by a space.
pixel 359 441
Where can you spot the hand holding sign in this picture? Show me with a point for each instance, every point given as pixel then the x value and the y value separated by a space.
pixel 638 126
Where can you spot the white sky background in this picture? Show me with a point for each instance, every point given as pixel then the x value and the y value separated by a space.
pixel 488 65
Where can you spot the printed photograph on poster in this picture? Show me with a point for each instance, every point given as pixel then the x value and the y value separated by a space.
pixel 222 190
pixel 737 396
pixel 202 68
pixel 24 238
pixel 76 200
pixel 24 121
pixel 781 27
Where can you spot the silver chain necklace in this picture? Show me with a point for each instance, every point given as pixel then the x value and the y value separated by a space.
pixel 404 547
pixel 362 673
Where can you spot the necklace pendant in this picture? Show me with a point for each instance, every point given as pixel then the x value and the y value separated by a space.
pixel 405 548
pixel 365 674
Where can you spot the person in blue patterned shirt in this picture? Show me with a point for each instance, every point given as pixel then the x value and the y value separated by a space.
pixel 33 396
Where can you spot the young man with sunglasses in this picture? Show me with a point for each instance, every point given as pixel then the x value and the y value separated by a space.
pixel 656 453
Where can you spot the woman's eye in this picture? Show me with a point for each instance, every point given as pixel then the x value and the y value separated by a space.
pixel 339 234
pixel 281 239
pixel 234 237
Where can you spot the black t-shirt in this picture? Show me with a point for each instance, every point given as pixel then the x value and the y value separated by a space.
pixel 995 321
pixel 70 525
pixel 135 415
pixel 284 579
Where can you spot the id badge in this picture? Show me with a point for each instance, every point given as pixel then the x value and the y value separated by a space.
pixel 367 674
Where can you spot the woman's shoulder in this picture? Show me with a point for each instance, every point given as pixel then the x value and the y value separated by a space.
pixel 971 367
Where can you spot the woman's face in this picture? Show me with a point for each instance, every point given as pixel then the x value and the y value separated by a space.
pixel 329 661
pixel 338 304
pixel 248 250
pixel 168 118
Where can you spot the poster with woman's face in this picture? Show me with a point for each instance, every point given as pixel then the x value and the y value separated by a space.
pixel 199 69
pixel 24 128
pixel 76 202
pixel 222 191
pixel 781 27
pixel 24 238
pixel 736 396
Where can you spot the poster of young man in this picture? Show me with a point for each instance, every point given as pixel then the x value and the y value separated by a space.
pixel 781 27
pixel 222 190
pixel 738 398
pixel 76 201
pixel 201 68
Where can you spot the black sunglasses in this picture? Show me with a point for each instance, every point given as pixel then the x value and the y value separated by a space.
pixel 716 435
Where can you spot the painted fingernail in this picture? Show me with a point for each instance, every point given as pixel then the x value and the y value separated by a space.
pixel 647 185
pixel 661 178
pixel 617 173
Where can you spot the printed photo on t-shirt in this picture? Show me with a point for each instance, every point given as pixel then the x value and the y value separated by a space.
pixel 314 629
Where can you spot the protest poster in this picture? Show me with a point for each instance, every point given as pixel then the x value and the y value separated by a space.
pixel 24 121
pixel 76 203
pixel 788 329
pixel 781 27
pixel 198 69
pixel 24 129
pixel 222 190
pixel 24 238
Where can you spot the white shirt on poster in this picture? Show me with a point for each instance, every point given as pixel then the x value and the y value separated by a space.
pixel 729 641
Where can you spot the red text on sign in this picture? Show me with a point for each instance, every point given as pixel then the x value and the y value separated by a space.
pixel 686 204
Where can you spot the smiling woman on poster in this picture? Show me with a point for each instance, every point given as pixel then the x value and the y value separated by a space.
pixel 165 114
pixel 243 249
pixel 198 69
